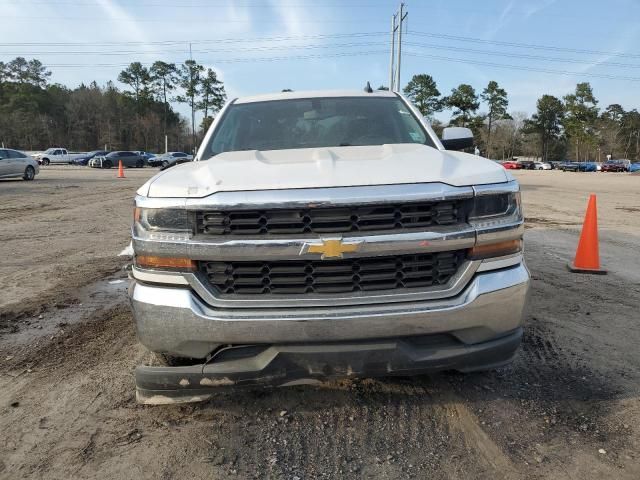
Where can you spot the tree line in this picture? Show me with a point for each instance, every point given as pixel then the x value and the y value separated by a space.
pixel 572 127
pixel 36 114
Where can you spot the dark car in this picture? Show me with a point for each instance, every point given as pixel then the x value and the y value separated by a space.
pixel 146 155
pixel 84 159
pixel 527 164
pixel 129 159
pixel 615 166
pixel 579 167
pixel 569 166
pixel 168 159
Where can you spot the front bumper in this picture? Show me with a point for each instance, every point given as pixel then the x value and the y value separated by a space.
pixel 297 364
pixel 482 323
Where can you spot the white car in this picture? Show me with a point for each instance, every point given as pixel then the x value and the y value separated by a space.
pixel 15 164
pixel 325 234
pixel 541 166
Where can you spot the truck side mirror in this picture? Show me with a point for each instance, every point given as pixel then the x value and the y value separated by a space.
pixel 457 138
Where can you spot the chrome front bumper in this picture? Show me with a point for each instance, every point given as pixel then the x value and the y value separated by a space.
pixel 176 321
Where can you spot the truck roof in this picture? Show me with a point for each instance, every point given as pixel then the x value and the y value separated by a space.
pixel 313 94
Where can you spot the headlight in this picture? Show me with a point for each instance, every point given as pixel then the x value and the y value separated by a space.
pixel 495 205
pixel 162 219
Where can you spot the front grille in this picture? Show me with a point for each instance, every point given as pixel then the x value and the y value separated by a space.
pixel 360 218
pixel 298 277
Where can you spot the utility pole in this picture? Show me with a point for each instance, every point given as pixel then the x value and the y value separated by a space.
pixel 402 16
pixel 393 51
pixel 394 68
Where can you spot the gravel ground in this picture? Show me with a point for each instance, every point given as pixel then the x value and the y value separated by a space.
pixel 567 408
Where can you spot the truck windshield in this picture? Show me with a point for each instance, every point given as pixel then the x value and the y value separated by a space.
pixel 316 122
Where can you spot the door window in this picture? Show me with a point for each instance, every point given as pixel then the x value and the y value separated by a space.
pixel 16 154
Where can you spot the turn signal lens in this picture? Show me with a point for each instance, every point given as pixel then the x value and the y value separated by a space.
pixel 150 261
pixel 136 214
pixel 495 250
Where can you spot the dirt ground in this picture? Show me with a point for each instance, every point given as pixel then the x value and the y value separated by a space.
pixel 568 408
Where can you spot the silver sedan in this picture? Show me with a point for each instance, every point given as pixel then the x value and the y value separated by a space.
pixel 14 164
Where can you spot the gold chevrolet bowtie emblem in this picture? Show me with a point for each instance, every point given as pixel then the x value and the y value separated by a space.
pixel 333 248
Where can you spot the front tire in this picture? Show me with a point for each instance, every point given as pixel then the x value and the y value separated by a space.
pixel 45 161
pixel 165 164
pixel 107 164
pixel 29 173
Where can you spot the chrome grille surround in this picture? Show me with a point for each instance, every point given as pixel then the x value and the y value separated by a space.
pixel 439 238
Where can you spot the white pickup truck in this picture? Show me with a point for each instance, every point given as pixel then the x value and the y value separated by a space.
pixel 56 155
pixel 325 234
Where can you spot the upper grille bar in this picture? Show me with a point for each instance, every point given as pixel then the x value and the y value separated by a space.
pixel 347 219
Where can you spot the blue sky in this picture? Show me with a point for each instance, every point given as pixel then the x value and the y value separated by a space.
pixel 260 46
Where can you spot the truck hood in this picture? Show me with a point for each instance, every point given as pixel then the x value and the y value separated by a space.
pixel 323 167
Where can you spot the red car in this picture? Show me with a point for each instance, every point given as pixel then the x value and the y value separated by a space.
pixel 615 166
pixel 511 165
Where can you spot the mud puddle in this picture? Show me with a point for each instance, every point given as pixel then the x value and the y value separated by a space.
pixel 105 294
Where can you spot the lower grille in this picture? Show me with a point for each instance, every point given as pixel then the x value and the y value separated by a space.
pixel 299 277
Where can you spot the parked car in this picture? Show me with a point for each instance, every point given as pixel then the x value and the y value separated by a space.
pixel 146 155
pixel 56 155
pixel 129 159
pixel 579 167
pixel 541 166
pixel 555 165
pixel 168 159
pixel 616 166
pixel 15 164
pixel 526 164
pixel 278 259
pixel 84 159
pixel 510 165
pixel 634 167
pixel 569 166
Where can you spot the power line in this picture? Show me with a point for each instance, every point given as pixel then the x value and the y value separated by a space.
pixel 196 42
pixel 525 68
pixel 522 45
pixel 230 60
pixel 111 19
pixel 214 50
pixel 210 4
pixel 520 55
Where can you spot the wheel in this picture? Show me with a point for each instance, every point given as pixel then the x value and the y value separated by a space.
pixel 45 161
pixel 140 164
pixel 165 164
pixel 29 173
pixel 107 164
pixel 540 168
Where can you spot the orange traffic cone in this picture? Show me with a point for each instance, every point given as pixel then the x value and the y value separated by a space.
pixel 587 255
pixel 120 170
